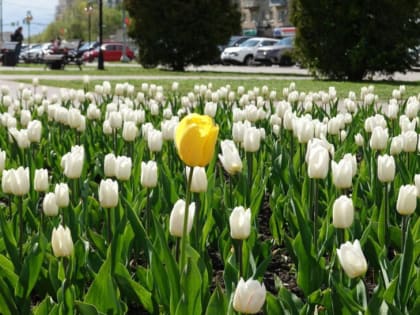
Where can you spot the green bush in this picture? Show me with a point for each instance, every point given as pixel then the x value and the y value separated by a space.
pixel 352 39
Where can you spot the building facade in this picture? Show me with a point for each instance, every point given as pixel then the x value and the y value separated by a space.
pixel 265 17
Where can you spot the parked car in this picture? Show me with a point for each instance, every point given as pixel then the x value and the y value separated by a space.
pixel 111 52
pixel 279 53
pixel 245 52
pixel 36 53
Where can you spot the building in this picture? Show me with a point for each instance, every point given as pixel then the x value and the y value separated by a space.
pixel 265 17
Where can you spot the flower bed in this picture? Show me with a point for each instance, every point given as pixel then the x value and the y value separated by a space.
pixel 138 200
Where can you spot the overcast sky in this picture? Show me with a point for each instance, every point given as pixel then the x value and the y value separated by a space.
pixel 14 11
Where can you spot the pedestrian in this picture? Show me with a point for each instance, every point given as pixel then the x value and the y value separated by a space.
pixel 17 37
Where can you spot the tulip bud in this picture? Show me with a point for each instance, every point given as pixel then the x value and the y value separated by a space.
pixel 417 183
pixel 61 241
pixel 41 180
pixel 149 174
pixel 386 168
pixel 230 158
pixel 2 160
pixel 343 212
pixel 409 141
pixel 318 160
pixel 62 195
pixel 25 117
pixel 19 181
pixel 110 165
pixel 342 173
pixel 240 223
pixel 49 205
pixel 358 138
pixel 108 193
pixel 154 140
pixel 379 138
pixel 249 296
pixel 199 179
pixel 407 199
pixel 34 131
pixel 115 120
pixel 352 259
pixel 72 162
pixel 176 219
pixel 252 139
pixel 129 132
pixel 123 168
pixel 397 144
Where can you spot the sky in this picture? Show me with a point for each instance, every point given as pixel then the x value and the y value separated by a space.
pixel 14 11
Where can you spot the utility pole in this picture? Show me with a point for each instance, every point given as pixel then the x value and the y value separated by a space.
pixel 101 55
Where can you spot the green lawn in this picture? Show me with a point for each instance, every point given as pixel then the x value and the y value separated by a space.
pixel 382 88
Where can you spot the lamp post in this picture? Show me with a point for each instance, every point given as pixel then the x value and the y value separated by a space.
pixel 28 18
pixel 101 54
pixel 124 57
pixel 88 11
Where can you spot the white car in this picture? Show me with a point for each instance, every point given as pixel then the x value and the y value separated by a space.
pixel 245 52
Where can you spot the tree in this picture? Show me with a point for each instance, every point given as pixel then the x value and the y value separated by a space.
pixel 74 23
pixel 181 32
pixel 350 39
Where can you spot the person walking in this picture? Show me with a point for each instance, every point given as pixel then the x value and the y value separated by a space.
pixel 17 37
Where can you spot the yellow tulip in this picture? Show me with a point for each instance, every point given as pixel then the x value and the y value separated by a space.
pixel 195 139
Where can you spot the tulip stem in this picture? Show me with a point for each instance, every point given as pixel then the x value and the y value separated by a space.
pixel 148 214
pixel 315 213
pixel 249 161
pixel 404 231
pixel 386 215
pixel 114 138
pixel 20 209
pixel 239 244
pixel 340 237
pixel 108 210
pixel 184 227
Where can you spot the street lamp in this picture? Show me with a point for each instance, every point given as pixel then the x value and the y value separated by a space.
pixel 88 11
pixel 124 57
pixel 28 18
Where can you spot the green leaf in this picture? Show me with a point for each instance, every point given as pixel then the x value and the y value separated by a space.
pixel 218 303
pixel 31 268
pixel 103 292
pixel 86 309
pixel 135 291
pixel 44 307
pixel 190 303
pixel 347 299
pixel 406 267
pixel 272 305
pixel 9 241
pixel 8 271
pixel 7 303
pixel 389 294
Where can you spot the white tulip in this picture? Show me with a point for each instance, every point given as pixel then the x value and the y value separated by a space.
pixel 61 241
pixel 240 223
pixel 249 296
pixel 176 219
pixel 352 259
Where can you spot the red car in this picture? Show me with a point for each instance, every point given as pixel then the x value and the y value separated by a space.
pixel 111 52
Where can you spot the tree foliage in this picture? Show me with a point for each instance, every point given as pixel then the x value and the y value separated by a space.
pixel 354 38
pixel 74 23
pixel 181 32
